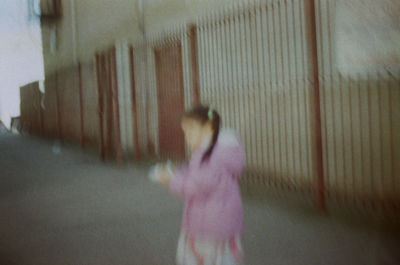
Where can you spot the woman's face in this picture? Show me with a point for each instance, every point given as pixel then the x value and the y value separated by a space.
pixel 194 132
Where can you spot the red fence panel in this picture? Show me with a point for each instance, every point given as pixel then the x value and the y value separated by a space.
pixel 170 94
pixel 110 142
pixel 90 103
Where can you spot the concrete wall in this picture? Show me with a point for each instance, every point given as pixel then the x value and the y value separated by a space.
pixel 91 25
pixel 31 116
pixel 50 115
pixel 85 27
pixel 161 13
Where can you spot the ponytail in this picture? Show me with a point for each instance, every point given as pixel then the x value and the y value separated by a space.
pixel 215 119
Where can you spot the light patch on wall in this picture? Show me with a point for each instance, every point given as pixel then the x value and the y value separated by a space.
pixel 368 36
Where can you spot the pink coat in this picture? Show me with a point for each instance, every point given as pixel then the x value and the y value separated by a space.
pixel 213 206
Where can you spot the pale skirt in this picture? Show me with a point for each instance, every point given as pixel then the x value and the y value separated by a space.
pixel 192 251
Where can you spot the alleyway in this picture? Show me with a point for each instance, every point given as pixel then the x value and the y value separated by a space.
pixel 68 208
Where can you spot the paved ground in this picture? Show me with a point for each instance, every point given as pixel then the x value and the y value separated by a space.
pixel 68 208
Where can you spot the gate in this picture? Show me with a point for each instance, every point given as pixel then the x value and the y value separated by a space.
pixel 170 99
pixel 110 137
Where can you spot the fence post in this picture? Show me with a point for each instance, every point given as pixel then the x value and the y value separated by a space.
pixel 315 113
pixel 134 105
pixel 82 129
pixel 114 93
pixel 194 64
pixel 100 104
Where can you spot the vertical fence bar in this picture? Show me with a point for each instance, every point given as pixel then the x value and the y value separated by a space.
pixel 350 96
pixel 332 81
pixel 285 75
pixel 282 89
pixel 175 78
pixel 158 81
pixel 194 64
pixel 362 159
pixel 153 145
pixel 249 91
pixel 371 159
pixel 341 100
pixel 170 45
pixel 100 103
pixel 82 130
pixel 392 177
pixel 324 94
pixel 266 120
pixel 304 53
pixel 229 90
pixel 201 57
pixel 288 87
pixel 297 89
pixel 270 51
pixel 134 105
pixel 246 89
pixel 258 117
pixel 254 89
pixel 238 49
pixel 225 79
pixel 219 89
pixel 172 75
pixel 209 58
pixel 279 86
pixel 181 92
pixel 321 47
pixel 213 48
pixel 110 105
pixel 241 82
pixel 380 137
pixel 149 145
pixel 114 92
pixel 235 71
pixel 315 111
pixel 225 84
pixel 277 91
pixel 108 112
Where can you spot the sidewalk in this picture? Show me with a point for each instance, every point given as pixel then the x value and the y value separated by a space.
pixel 69 208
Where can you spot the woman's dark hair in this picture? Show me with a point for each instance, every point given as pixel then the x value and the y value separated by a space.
pixel 203 115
